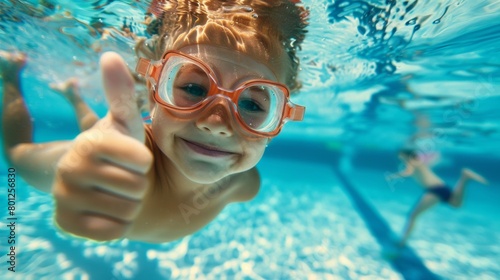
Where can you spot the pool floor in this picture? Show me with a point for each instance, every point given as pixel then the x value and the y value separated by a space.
pixel 304 224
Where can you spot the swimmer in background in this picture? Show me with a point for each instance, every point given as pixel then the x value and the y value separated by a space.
pixel 222 95
pixel 436 190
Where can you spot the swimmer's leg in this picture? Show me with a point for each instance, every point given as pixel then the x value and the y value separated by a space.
pixel 16 120
pixel 86 117
pixel 427 201
pixel 34 162
pixel 457 196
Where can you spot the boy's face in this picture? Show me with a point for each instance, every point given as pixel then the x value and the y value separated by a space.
pixel 211 145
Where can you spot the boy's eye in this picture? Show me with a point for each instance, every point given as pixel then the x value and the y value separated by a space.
pixel 194 89
pixel 250 106
pixel 189 94
pixel 189 85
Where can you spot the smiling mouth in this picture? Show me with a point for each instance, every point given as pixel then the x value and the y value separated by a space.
pixel 206 150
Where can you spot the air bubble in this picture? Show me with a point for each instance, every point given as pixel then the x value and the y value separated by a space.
pixel 412 21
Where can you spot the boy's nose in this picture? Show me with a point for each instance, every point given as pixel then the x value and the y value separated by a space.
pixel 216 119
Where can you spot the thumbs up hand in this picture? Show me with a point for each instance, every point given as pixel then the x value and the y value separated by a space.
pixel 101 181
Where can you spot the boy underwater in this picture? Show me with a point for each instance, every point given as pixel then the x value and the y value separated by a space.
pixel 220 77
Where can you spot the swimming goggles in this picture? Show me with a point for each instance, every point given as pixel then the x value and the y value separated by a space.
pixel 185 85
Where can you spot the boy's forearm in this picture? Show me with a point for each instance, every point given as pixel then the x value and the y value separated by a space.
pixel 36 163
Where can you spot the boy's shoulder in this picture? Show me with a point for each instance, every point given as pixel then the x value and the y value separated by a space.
pixel 245 185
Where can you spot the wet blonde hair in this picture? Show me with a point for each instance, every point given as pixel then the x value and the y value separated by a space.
pixel 271 30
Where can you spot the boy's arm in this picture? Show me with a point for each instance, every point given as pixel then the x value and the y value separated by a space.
pixel 100 182
pixel 36 163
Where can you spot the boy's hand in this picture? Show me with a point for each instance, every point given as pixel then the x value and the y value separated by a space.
pixel 101 181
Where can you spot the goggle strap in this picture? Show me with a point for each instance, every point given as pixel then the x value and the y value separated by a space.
pixel 143 66
pixel 297 113
pixel 148 69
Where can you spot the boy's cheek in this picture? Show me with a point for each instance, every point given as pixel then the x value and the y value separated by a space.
pixel 256 150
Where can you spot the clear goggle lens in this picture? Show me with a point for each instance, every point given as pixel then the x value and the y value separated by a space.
pixel 185 84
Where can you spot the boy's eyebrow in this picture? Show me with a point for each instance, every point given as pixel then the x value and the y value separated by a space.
pixel 192 68
pixel 240 80
pixel 248 77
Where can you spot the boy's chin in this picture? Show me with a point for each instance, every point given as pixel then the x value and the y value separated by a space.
pixel 207 177
pixel 209 173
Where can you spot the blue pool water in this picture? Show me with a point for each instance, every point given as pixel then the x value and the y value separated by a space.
pixel 376 74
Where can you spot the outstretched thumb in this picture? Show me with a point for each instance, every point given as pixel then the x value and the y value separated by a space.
pixel 119 89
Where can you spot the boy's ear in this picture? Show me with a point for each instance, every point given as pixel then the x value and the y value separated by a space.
pixel 152 102
pixel 152 108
